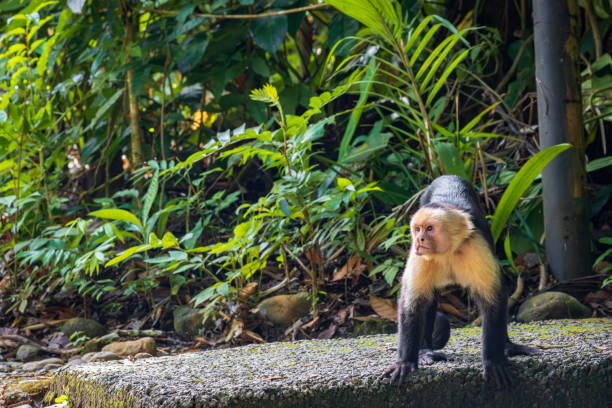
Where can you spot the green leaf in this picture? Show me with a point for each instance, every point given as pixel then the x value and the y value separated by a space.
pixel 269 33
pixel 116 214
pixel 450 157
pixel 378 15
pixel 442 80
pixel 284 207
pixel 150 195
pixel 520 183
pixel 374 142
pixel 364 90
pixel 508 252
pixel 169 241
pixel 127 253
pixel 476 120
pixel 102 110
pixel 597 163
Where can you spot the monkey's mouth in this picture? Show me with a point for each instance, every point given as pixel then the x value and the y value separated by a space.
pixel 420 249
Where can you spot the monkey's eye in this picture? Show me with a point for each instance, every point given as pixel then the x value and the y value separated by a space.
pixel 429 228
pixel 417 229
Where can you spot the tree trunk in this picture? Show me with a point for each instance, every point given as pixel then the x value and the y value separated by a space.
pixel 131 26
pixel 560 121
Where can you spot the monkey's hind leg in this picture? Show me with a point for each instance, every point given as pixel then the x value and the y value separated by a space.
pixel 513 349
pixel 436 335
pixel 494 334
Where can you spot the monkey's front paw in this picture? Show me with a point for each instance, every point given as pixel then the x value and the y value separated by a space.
pixel 498 372
pixel 428 356
pixel 398 371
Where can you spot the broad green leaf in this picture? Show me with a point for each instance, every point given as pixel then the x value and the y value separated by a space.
pixel 169 240
pixel 116 214
pixel 284 207
pixel 241 229
pixel 10 5
pixel 269 33
pixel 520 183
pixel 43 61
pixel 344 183
pixel 451 159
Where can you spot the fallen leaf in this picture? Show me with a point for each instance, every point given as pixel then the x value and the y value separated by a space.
pixel 328 333
pixel 341 315
pixel 347 268
pixel 252 336
pixel 384 307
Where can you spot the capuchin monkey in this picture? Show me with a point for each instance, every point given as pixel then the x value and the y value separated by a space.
pixel 452 244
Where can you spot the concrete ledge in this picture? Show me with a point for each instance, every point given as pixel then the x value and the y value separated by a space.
pixel 574 370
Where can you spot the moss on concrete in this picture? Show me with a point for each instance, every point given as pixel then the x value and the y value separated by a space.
pixel 572 371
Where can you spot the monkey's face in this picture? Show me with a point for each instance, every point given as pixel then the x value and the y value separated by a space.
pixel 437 231
pixel 428 238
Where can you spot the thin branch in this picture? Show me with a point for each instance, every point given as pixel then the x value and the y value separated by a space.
pixel 244 16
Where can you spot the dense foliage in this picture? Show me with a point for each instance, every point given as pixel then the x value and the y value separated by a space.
pixel 155 153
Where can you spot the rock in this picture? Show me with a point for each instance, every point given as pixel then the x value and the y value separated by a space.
pixel 283 310
pixel 131 348
pixel 27 352
pixel 87 356
pixel 40 364
pixel 100 356
pixel 98 343
pixel 50 367
pixel 188 322
pixel 75 361
pixel 22 406
pixel 89 327
pixel 551 305
pixel 25 389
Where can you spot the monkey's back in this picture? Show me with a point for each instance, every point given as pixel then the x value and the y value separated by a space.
pixel 457 192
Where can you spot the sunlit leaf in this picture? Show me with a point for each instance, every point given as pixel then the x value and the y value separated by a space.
pixel 520 183
pixel 116 214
